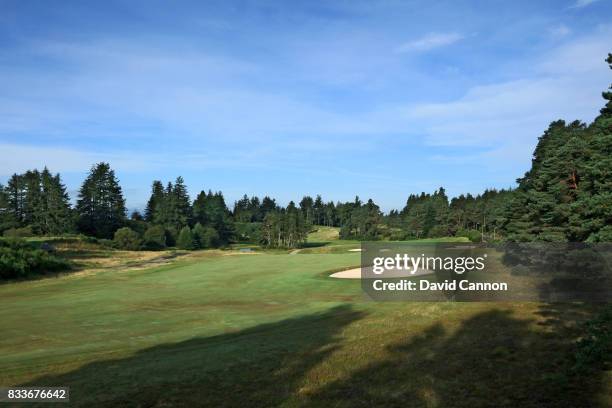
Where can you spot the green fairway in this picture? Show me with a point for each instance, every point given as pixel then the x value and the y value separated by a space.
pixel 85 317
pixel 230 329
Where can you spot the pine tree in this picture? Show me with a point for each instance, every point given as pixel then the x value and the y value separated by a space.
pixel 100 206
pixel 268 205
pixel 33 206
pixel 330 214
pixel 210 210
pixel 6 217
pixel 306 206
pixel 317 208
pixel 56 216
pixel 181 211
pixel 242 212
pixel 155 201
pixel 16 195
pixel 566 194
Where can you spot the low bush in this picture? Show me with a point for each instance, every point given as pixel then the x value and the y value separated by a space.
pixel 88 239
pixel 209 238
pixel 185 239
pixel 248 231
pixel 126 238
pixel 18 259
pixel 471 234
pixel 171 236
pixel 23 232
pixel 155 237
pixel 594 349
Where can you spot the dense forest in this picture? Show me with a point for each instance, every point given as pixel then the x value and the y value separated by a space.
pixel 565 196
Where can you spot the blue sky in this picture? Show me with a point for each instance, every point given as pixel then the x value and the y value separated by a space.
pixel 285 98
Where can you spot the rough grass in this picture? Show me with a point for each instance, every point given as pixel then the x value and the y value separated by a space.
pixel 88 257
pixel 323 234
pixel 271 330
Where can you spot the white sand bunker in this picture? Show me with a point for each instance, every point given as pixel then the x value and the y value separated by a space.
pixel 355 250
pixel 390 273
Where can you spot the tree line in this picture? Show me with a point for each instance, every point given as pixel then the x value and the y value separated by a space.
pixel 565 196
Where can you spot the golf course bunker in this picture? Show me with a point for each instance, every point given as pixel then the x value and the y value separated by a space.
pixel 355 273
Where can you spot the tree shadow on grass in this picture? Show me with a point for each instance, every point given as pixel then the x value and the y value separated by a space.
pixel 316 244
pixel 256 367
pixel 492 359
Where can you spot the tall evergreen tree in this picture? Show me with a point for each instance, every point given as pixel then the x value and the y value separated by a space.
pixel 100 206
pixel 267 205
pixel 306 206
pixel 284 227
pixel 242 211
pixel 329 215
pixel 211 211
pixel 16 196
pixel 566 194
pixel 56 215
pixel 319 213
pixel 37 200
pixel 155 201
pixel 6 217
pixel 181 205
pixel 255 209
pixel 33 206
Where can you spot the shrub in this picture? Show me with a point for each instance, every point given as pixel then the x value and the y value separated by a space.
pixel 210 238
pixel 603 235
pixel 88 239
pixel 171 236
pixel 594 349
pixel 137 225
pixel 126 238
pixel 18 259
pixel 472 234
pixel 155 237
pixel 198 234
pixel 19 232
pixel 107 243
pixel 248 231
pixel 185 239
pixel 396 234
pixel 438 231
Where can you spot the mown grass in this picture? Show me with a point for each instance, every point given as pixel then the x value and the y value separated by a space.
pixel 228 329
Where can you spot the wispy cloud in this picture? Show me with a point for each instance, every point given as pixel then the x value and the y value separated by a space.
pixel 507 117
pixel 430 41
pixel 583 3
pixel 19 157
pixel 228 99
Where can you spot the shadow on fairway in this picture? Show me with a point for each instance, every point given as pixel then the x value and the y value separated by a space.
pixel 260 366
pixel 317 244
pixel 491 359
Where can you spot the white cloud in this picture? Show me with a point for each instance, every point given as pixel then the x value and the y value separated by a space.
pixel 508 117
pixel 582 3
pixel 18 158
pixel 193 94
pixel 430 41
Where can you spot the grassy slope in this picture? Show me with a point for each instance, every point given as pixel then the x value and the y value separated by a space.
pixel 272 330
pixel 322 234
